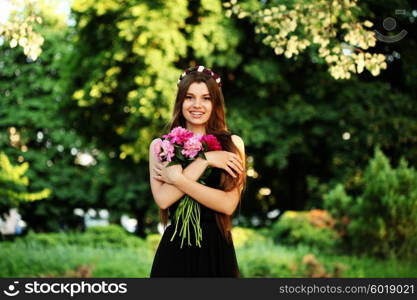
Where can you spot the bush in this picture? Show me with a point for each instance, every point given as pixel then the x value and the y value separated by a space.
pixel 265 260
pixel 311 228
pixel 382 219
pixel 34 260
pixel 97 236
pixel 246 237
pixel 153 241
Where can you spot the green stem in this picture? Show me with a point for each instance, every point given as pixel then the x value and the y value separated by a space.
pixel 189 213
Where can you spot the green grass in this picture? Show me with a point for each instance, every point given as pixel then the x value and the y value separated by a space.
pixel 34 258
pixel 269 260
pixel 33 261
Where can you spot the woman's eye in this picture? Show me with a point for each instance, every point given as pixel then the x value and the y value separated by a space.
pixel 189 97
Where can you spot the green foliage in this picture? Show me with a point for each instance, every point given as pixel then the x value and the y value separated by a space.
pixel 106 250
pixel 97 236
pixel 153 241
pixel 271 260
pixel 34 260
pixel 294 228
pixel 19 27
pixel 13 185
pixel 33 131
pixel 246 237
pixel 382 218
pixel 292 26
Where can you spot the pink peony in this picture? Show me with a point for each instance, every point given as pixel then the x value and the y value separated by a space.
pixel 164 150
pixel 212 142
pixel 178 135
pixel 192 146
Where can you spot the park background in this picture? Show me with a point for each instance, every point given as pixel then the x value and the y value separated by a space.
pixel 323 93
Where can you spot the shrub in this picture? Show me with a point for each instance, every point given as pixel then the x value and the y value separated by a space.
pixel 97 236
pixel 153 241
pixel 246 237
pixel 382 219
pixel 33 260
pixel 265 260
pixel 311 228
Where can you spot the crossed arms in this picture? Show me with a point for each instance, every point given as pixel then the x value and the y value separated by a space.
pixel 166 194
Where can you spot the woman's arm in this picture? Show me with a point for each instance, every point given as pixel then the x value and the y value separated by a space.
pixel 166 194
pixel 216 199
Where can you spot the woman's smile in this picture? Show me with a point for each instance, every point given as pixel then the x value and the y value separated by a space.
pixel 196 114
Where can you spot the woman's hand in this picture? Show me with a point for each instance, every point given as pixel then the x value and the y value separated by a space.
pixel 167 174
pixel 226 160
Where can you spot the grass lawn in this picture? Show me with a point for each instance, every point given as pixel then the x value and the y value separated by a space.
pixel 260 260
pixel 269 260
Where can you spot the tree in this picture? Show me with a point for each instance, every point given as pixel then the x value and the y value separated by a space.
pixel 19 27
pixel 307 131
pixel 333 30
pixel 14 185
pixel 33 131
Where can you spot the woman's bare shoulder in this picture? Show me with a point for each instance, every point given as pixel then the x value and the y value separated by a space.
pixel 152 156
pixel 154 141
pixel 238 141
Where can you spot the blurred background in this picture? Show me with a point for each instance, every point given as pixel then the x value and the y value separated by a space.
pixel 322 92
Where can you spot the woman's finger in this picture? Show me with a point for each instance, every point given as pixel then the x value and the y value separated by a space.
pixel 231 164
pixel 235 156
pixel 235 165
pixel 157 178
pixel 239 164
pixel 230 171
pixel 239 159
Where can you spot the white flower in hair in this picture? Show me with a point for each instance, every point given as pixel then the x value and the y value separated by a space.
pixel 200 68
pixel 183 74
pixel 218 80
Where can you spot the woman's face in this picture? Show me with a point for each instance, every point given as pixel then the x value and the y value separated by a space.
pixel 197 105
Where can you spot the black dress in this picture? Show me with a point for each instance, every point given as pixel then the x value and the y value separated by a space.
pixel 215 258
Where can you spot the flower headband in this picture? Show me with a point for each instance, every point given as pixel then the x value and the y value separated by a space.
pixel 200 69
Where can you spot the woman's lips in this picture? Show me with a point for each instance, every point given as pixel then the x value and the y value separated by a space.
pixel 196 115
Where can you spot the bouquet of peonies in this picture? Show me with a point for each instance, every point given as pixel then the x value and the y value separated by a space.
pixel 182 146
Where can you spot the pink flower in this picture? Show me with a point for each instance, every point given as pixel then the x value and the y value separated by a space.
pixel 178 135
pixel 212 142
pixel 164 150
pixel 192 146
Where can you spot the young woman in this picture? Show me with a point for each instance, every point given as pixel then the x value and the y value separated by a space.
pixel 199 107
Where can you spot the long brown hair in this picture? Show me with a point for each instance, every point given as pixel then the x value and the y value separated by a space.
pixel 216 125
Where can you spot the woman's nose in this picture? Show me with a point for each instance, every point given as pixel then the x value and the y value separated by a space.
pixel 197 102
